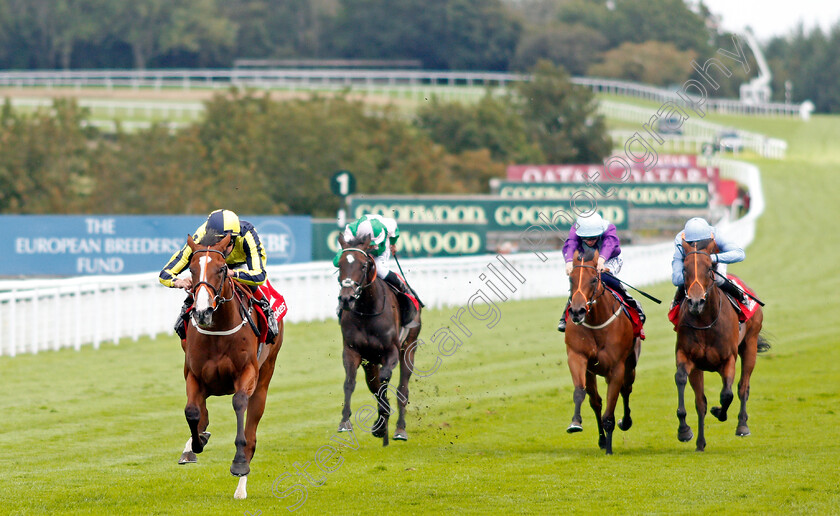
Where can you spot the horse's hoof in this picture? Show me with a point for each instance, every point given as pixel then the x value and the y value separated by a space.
pixel 380 428
pixel 602 442
pixel 624 424
pixel 699 449
pixel 345 426
pixel 204 436
pixel 240 469
pixel 574 428
pixel 718 414
pixel 685 435
pixel 400 435
pixel 742 431
pixel 188 458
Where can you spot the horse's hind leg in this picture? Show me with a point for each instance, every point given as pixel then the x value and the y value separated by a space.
pixel 748 351
pixel 595 403
pixel 727 374
pixel 696 379
pixel 351 360
pixel 372 375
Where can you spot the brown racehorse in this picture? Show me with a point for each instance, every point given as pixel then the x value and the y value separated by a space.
pixel 222 357
pixel 600 342
pixel 709 339
pixel 373 337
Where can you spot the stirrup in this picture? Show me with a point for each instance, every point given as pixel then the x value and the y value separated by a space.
pixel 561 326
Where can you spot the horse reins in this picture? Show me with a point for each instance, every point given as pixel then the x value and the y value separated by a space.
pixel 359 288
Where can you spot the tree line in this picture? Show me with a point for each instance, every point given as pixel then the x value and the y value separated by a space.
pixel 253 154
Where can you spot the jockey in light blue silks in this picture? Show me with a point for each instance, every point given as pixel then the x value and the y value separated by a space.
pixel 595 232
pixel 697 229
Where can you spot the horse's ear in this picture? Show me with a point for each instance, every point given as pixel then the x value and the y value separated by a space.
pixel 686 246
pixel 341 241
pixel 223 243
pixel 576 257
pixel 191 243
pixel 365 242
pixel 595 255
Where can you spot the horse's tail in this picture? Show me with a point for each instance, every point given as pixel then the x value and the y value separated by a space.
pixel 763 343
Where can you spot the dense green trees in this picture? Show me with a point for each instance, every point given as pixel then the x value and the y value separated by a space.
pixel 257 155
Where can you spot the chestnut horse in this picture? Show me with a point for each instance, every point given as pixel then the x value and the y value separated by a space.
pixel 710 338
pixel 222 356
pixel 600 342
pixel 373 337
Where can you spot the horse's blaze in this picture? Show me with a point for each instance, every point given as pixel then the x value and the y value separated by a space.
pixel 203 300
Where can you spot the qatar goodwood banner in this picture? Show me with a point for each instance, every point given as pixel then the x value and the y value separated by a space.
pixel 66 245
pixel 598 174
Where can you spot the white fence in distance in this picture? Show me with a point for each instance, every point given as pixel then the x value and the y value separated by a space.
pixel 49 314
pixel 426 81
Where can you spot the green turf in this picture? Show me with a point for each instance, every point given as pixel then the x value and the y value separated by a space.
pixel 100 431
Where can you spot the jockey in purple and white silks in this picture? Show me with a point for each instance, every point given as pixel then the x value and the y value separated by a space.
pixel 594 232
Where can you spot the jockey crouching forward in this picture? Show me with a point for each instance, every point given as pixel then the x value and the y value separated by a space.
pixel 593 231
pixel 383 233
pixel 698 229
pixel 244 255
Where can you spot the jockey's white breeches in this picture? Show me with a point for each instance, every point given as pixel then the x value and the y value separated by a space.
pixel 382 262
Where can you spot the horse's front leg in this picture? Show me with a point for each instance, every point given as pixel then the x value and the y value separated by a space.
pixel 727 374
pixel 614 385
pixel 577 366
pixel 406 361
pixel 684 433
pixel 196 413
pixel 244 386
pixel 351 360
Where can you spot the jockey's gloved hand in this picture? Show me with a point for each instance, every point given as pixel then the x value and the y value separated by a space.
pixel 569 268
pixel 601 263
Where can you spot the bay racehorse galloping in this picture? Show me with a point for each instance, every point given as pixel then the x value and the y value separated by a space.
pixel 600 342
pixel 222 356
pixel 373 337
pixel 710 338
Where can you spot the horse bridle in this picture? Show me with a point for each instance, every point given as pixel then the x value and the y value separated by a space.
pixel 357 287
pixel 705 292
pixel 600 284
pixel 711 274
pixel 218 299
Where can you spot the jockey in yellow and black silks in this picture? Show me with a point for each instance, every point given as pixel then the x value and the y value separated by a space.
pixel 245 257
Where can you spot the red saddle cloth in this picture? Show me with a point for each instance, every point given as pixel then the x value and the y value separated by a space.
pixel 278 307
pixel 745 311
pixel 638 330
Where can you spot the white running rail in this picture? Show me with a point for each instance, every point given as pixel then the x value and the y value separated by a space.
pixel 49 314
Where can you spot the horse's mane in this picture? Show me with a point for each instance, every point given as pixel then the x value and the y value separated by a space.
pixel 588 253
pixel 211 238
pixel 357 241
pixel 700 244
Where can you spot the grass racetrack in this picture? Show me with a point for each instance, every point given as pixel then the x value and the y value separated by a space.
pixel 100 431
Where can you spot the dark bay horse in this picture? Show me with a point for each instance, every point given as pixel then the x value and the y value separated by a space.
pixel 373 337
pixel 710 338
pixel 222 357
pixel 600 342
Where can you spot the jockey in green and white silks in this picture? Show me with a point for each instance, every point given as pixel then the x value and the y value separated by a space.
pixel 384 233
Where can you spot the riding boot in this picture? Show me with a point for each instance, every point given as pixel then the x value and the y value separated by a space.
pixel 180 328
pixel 733 290
pixel 635 302
pixel 561 326
pixel 273 330
pixel 410 311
